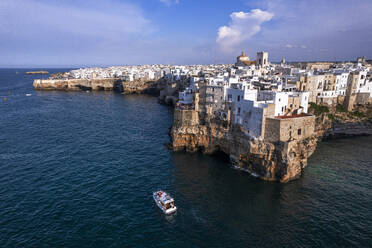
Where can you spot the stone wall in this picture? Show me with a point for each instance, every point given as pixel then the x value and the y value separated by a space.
pixel 326 101
pixel 330 101
pixel 185 117
pixel 362 98
pixel 287 129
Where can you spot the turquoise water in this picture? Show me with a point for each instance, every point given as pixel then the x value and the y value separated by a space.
pixel 78 169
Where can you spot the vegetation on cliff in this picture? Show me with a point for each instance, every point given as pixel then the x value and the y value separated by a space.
pixel 339 113
pixel 317 109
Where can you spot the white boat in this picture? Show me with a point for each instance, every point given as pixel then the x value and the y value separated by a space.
pixel 164 201
pixel 28 94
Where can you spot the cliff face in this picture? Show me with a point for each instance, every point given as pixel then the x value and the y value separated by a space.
pixel 157 87
pixel 348 129
pixel 140 87
pixel 274 161
pixel 280 161
pixel 76 84
pixel 337 122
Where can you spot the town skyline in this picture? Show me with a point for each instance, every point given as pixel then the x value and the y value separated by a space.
pixel 40 33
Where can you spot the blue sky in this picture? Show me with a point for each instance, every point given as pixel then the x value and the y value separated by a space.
pixel 58 33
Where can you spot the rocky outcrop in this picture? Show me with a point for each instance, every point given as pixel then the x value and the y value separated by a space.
pixel 140 87
pixel 36 72
pixel 167 91
pixel 279 161
pixel 274 161
pixel 107 84
pixel 348 129
pixel 337 122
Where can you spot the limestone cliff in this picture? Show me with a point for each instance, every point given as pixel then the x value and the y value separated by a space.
pixel 76 84
pixel 339 130
pixel 278 161
pixel 165 89
pixel 336 122
pixel 107 84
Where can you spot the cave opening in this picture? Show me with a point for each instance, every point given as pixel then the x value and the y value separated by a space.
pixel 221 155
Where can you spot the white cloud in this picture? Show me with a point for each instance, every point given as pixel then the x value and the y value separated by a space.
pixel 243 26
pixel 78 32
pixel 170 2
pixel 311 25
pixel 97 19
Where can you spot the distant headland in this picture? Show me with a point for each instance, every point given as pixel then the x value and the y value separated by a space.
pixel 36 72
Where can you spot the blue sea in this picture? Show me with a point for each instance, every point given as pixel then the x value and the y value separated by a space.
pixel 78 169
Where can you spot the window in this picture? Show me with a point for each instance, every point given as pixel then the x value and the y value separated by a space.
pixel 238 98
pixel 238 111
pixel 299 131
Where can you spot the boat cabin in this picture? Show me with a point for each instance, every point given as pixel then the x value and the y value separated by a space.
pixel 165 200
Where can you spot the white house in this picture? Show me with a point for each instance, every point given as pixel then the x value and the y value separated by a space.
pixel 186 96
pixel 341 83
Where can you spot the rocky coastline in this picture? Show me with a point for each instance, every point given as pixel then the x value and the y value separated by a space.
pixel 166 92
pixel 106 84
pixel 350 129
pixel 271 161
pixel 36 72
